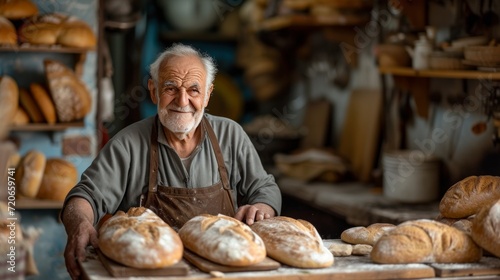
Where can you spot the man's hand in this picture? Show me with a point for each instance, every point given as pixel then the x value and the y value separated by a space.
pixel 256 212
pixel 81 232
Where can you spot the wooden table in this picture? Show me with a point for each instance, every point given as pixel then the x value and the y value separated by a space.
pixel 352 267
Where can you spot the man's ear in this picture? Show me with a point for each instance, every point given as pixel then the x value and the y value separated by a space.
pixel 152 91
pixel 209 94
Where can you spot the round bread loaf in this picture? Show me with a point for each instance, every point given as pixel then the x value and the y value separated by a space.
pixel 41 29
pixel 486 228
pixel 30 172
pixel 76 33
pixel 425 241
pixel 365 235
pixel 57 28
pixel 293 242
pixel 30 106
pixel 17 9
pixel 59 177
pixel 223 240
pixel 9 99
pixel 468 196
pixel 45 103
pixel 70 96
pixel 140 239
pixel 8 35
pixel 21 117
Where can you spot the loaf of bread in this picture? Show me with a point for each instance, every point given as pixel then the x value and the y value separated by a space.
pixel 17 9
pixel 21 117
pixel 70 96
pixel 56 28
pixel 29 173
pixel 8 35
pixel 365 235
pixel 9 99
pixel 425 241
pixel 339 248
pixel 486 228
pixel 140 239
pixel 76 33
pixel 59 177
pixel 222 239
pixel 293 242
pixel 45 103
pixel 30 106
pixel 468 196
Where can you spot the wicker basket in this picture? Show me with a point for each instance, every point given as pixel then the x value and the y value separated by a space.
pixel 482 54
pixel 446 63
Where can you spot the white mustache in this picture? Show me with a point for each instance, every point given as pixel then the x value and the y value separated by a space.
pixel 186 109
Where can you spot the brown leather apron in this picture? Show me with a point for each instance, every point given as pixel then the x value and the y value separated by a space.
pixel 176 205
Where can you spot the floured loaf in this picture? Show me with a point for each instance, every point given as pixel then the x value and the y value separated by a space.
pixel 223 239
pixel 293 242
pixel 140 239
pixel 425 241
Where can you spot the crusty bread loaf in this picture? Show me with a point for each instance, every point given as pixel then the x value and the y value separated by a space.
pixel 464 225
pixel 30 172
pixel 9 99
pixel 44 102
pixel 140 239
pixel 468 196
pixel 8 35
pixel 222 239
pixel 365 235
pixel 59 177
pixel 486 228
pixel 425 241
pixel 17 9
pixel 57 28
pixel 21 117
pixel 76 33
pixel 293 242
pixel 69 94
pixel 30 106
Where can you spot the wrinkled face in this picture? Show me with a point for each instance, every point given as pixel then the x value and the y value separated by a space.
pixel 180 94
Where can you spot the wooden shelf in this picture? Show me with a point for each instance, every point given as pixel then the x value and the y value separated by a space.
pixel 450 74
pixel 43 48
pixel 196 36
pixel 32 203
pixel 47 127
pixel 309 21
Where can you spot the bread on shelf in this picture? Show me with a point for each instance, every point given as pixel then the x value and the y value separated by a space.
pixel 29 173
pixel 9 99
pixel 17 9
pixel 44 101
pixel 8 35
pixel 70 95
pixel 59 177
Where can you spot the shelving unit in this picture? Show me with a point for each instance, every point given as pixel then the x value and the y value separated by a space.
pixel 47 127
pixel 417 81
pixel 31 203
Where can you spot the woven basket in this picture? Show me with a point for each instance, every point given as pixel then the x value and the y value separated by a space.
pixel 482 54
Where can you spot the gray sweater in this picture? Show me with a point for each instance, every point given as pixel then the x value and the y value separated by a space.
pixel 119 174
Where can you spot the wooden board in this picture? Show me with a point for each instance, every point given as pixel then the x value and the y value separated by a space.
pixel 118 270
pixel 486 266
pixel 360 134
pixel 208 266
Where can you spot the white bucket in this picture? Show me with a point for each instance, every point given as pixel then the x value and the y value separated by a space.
pixel 410 176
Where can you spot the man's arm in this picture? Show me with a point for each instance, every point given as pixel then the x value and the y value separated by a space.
pixel 78 218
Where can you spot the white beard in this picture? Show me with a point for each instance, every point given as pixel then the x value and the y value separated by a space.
pixel 180 123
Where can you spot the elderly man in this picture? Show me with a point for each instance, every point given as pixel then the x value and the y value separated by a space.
pixel 179 163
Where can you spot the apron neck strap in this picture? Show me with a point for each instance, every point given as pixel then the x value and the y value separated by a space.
pixel 153 158
pixel 218 154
